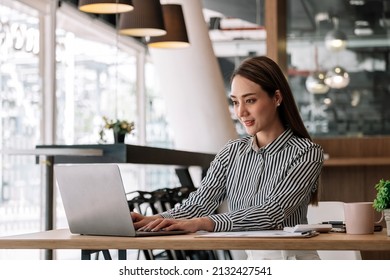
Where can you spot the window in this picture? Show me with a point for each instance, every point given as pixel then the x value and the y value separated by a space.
pixel 97 74
pixel 20 107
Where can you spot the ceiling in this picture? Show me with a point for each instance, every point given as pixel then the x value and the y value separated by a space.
pixel 365 21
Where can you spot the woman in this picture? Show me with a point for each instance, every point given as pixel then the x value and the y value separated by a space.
pixel 267 178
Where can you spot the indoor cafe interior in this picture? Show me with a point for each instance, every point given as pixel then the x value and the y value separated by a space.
pixel 69 74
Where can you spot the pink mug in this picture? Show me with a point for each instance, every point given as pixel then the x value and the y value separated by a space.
pixel 359 218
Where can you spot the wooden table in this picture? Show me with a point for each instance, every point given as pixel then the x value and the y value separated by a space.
pixel 63 239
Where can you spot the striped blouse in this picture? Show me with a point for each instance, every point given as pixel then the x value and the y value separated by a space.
pixel 265 188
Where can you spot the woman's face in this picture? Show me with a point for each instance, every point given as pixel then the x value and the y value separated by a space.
pixel 253 106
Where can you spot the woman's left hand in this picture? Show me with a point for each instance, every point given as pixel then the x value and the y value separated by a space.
pixel 191 225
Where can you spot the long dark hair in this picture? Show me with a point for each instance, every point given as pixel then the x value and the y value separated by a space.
pixel 268 75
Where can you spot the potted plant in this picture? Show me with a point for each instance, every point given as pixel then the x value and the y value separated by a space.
pixel 382 201
pixel 119 127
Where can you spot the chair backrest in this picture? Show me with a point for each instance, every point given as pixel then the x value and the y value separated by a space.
pixel 330 211
pixel 159 200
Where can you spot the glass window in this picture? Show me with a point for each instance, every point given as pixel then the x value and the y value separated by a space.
pixel 20 107
pixel 94 79
pixel 353 105
pixel 355 109
pixel 352 97
pixel 158 133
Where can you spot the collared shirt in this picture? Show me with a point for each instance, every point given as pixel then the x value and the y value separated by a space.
pixel 265 188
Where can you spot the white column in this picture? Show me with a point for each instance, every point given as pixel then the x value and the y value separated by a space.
pixel 193 88
pixel 47 56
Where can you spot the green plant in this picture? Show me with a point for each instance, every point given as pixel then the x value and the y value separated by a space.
pixel 382 200
pixel 118 126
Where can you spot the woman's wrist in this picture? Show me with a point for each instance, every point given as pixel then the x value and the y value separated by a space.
pixel 205 223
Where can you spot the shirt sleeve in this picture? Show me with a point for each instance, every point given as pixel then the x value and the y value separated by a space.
pixel 294 186
pixel 211 193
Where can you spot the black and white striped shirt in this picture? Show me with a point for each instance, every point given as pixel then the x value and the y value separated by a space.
pixel 265 188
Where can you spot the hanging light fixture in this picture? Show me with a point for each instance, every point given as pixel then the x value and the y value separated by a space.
pixel 175 26
pixel 315 82
pixel 105 6
pixel 145 20
pixel 337 78
pixel 336 40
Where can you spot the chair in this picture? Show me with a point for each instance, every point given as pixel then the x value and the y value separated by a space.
pixel 330 211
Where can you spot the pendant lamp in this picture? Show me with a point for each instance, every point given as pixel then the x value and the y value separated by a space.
pixel 145 20
pixel 315 82
pixel 175 26
pixel 337 78
pixel 336 40
pixel 105 6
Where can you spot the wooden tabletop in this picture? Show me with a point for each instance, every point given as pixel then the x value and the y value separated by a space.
pixel 63 239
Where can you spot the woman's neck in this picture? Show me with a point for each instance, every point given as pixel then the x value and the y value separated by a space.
pixel 263 138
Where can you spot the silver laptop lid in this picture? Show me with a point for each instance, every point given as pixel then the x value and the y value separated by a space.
pixel 94 199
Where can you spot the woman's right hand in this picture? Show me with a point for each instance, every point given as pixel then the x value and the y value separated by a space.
pixel 141 220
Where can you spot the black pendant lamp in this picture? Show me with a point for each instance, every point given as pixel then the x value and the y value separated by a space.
pixel 145 20
pixel 105 6
pixel 175 26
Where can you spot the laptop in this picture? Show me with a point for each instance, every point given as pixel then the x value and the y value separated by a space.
pixel 95 201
